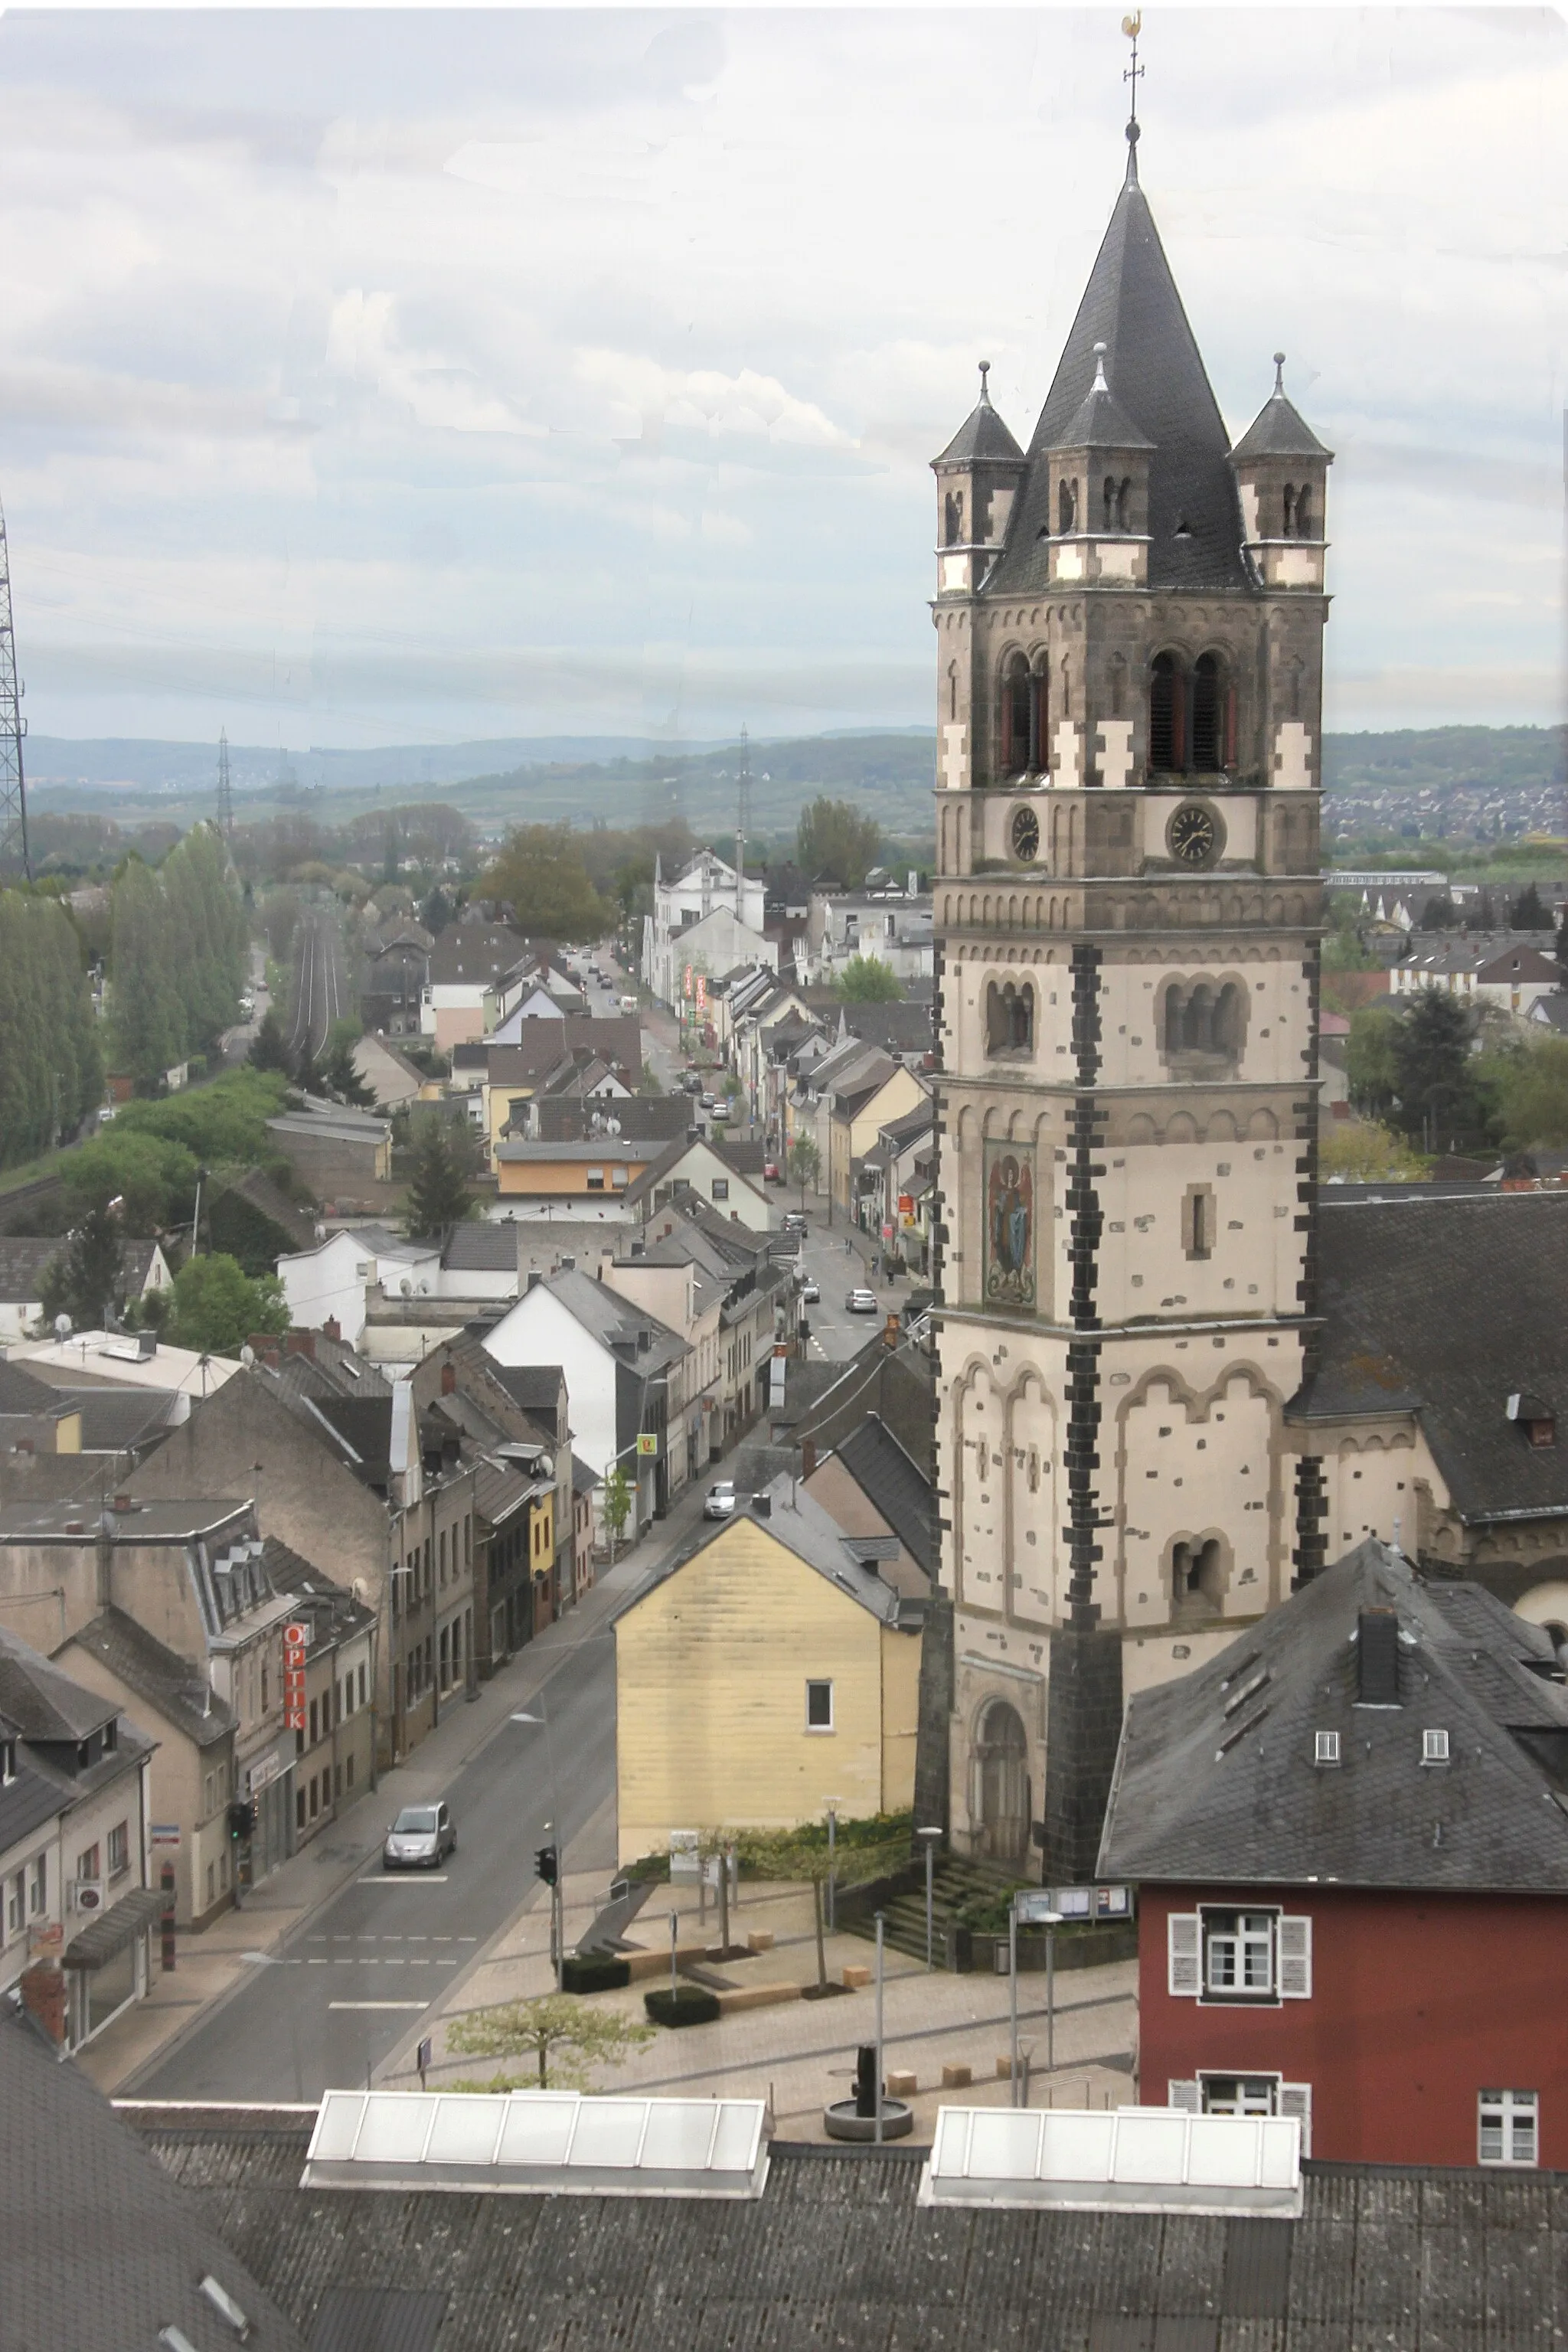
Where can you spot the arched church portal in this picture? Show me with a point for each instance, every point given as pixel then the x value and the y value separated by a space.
pixel 1002 1754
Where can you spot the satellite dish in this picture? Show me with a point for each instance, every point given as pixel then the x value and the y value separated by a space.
pixel 424 1290
pixel 613 1126
pixel 62 1326
pixel 406 1288
pixel 248 1357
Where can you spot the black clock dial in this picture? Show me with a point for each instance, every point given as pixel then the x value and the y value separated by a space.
pixel 1193 836
pixel 1026 833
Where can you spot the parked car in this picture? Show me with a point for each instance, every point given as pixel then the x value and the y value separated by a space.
pixel 719 1503
pixel 861 1302
pixel 419 1839
pixel 772 1172
pixel 810 1292
pixel 707 1101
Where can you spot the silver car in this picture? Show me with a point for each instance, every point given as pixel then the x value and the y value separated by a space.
pixel 419 1839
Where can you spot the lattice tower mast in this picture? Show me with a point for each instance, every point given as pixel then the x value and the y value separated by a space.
pixel 225 788
pixel 743 824
pixel 14 848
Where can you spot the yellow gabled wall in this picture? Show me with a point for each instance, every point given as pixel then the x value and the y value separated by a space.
pixel 711 1675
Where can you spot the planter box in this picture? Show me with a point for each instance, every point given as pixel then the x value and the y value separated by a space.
pixel 642 1966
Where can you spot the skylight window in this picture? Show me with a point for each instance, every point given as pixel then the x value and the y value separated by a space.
pixel 1433 1747
pixel 1325 1748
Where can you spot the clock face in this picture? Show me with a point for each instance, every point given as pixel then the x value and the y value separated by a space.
pixel 1026 833
pixel 1193 834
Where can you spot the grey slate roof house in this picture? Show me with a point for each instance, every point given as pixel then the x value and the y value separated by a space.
pixel 1350 1834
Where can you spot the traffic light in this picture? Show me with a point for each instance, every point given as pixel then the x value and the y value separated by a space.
pixel 241 1819
pixel 547 1864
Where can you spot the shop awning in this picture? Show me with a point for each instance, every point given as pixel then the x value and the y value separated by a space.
pixel 108 1934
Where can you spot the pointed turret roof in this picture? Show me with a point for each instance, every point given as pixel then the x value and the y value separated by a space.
pixel 1130 304
pixel 1279 429
pixel 1102 423
pixel 982 437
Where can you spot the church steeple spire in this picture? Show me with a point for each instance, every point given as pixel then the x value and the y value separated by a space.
pixel 1132 74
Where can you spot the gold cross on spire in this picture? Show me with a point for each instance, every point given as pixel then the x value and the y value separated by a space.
pixel 1132 26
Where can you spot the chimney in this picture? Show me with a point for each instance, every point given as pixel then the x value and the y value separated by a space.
pixel 448 1378
pixel 332 1329
pixel 645 1341
pixel 807 1457
pixel 1378 1658
pixel 300 1343
pixel 763 1505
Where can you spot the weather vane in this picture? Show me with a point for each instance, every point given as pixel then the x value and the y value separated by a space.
pixel 1132 26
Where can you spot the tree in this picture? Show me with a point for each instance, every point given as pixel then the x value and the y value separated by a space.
pixel 267 1051
pixel 566 2039
pixel 617 1504
pixel 217 1305
pixel 343 1078
pixel 1362 1151
pixel 1439 914
pixel 85 1281
pixel 438 1195
pixel 805 1164
pixel 1528 912
pixel 862 1851
pixel 833 844
pixel 1369 1057
pixel 541 873
pixel 866 980
pixel 148 1017
pixel 1529 1086
pixel 1560 944
pixel 152 1178
pixel 1431 1055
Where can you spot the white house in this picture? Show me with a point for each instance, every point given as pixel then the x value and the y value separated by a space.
pixel 707 919
pixel 697 1166
pixel 620 1365
pixel 328 1283
pixel 893 925
pixel 25 1260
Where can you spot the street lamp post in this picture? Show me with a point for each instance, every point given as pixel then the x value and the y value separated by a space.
pixel 932 1840
pixel 1034 1918
pixel 832 1866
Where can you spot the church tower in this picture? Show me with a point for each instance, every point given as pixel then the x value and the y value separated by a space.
pixel 1129 623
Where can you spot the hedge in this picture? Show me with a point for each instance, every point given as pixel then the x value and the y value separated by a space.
pixel 593 1973
pixel 687 2005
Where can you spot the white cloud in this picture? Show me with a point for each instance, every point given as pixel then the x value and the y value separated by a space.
pixel 400 379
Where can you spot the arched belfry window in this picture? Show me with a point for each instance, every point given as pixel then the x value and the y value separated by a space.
pixel 1202 1019
pixel 1067 506
pixel 1017 717
pixel 1009 1018
pixel 1167 715
pixel 1207 714
pixel 1288 515
pixel 1304 511
pixel 954 518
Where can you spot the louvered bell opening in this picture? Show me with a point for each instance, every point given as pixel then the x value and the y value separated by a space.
pixel 1378 1658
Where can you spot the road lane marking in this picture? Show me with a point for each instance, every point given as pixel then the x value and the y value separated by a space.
pixel 378 2004
pixel 396 1878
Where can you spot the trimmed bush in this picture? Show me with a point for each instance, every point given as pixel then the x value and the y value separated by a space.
pixel 593 1973
pixel 687 2005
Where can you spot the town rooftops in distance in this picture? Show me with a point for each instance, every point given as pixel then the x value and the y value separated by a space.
pixel 154 1521
pixel 126 1359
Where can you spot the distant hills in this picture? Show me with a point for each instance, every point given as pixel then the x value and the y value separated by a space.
pixel 627 780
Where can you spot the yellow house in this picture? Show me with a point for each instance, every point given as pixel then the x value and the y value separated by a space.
pixel 768 1671
pixel 858 1116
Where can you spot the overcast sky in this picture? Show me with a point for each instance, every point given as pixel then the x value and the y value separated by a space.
pixel 396 377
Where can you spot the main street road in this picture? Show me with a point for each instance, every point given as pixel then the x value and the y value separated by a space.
pixel 336 1996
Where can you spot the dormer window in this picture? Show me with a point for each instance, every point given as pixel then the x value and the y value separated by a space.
pixel 7 1762
pixel 1325 1748
pixel 1534 1416
pixel 1433 1747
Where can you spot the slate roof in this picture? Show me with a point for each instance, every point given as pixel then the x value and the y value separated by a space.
pixel 1215 1782
pixel 1402 1332
pixel 585 1478
pixel 175 1686
pixel 474 954
pixel 535 1387
pixel 1130 304
pixel 1278 430
pixel 41 1699
pixel 102 2247
pixel 481 1245
pixel 25 1258
pixel 836 2254
pixel 894 1483
pixel 27 1801
pixel 22 1392
pixel 982 437
pixel 118 1420
pixel 1101 423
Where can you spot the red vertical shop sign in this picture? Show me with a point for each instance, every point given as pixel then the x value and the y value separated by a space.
pixel 294 1641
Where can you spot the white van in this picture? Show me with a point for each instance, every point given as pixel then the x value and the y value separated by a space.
pixel 628 1005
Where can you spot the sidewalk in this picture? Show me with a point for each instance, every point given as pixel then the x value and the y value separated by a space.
pixel 800 2055
pixel 212 1965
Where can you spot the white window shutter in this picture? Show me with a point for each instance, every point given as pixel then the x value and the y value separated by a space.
pixel 1184 1953
pixel 1295 1959
pixel 1296 2099
pixel 1183 2096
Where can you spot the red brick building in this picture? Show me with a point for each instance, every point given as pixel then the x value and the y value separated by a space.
pixel 1349 1837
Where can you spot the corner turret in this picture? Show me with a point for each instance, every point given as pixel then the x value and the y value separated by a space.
pixel 1281 476
pixel 977 475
